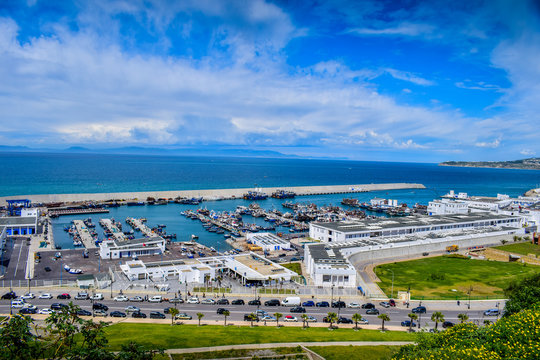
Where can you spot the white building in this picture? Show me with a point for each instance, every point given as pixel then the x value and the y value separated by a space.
pixel 446 206
pixel 26 224
pixel 340 231
pixel 328 267
pixel 268 242
pixel 114 249
pixel 188 270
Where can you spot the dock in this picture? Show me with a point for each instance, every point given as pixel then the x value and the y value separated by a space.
pixel 115 232
pixel 60 212
pixel 138 224
pixel 211 194
pixel 84 234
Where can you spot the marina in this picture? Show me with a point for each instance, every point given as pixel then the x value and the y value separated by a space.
pixel 111 229
pixel 84 235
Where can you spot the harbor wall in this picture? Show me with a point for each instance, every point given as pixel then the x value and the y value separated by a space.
pixel 210 194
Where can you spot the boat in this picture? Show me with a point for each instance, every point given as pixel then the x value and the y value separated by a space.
pixel 283 194
pixel 255 195
pixel 193 236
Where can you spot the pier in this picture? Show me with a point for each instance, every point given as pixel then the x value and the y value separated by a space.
pixel 84 234
pixel 60 212
pixel 112 229
pixel 138 224
pixel 211 194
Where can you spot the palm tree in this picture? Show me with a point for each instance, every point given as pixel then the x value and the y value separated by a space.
pixel 252 318
pixel 463 317
pixel 200 316
pixel 173 312
pixel 331 317
pixel 278 316
pixel 384 317
pixel 413 317
pixel 304 321
pixel 437 317
pixel 356 318
pixel 225 313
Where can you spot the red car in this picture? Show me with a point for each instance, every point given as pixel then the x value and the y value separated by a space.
pixel 64 296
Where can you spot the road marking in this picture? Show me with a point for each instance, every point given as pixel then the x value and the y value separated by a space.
pixel 18 259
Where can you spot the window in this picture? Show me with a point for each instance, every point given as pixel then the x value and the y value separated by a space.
pixel 326 278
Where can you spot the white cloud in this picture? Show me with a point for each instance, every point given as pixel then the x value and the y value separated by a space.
pixel 410 77
pixel 403 29
pixel 527 152
pixel 494 144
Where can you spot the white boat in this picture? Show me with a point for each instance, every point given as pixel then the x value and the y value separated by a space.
pixel 193 237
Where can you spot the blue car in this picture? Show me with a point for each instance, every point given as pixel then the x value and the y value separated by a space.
pixel 419 310
pixel 308 303
pixel 407 323
pixel 323 304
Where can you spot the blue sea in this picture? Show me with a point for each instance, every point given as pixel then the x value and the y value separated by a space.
pixel 40 173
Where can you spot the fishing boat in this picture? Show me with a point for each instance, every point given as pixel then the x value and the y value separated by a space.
pixel 194 237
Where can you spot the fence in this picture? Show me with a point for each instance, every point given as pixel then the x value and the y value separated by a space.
pixel 36 283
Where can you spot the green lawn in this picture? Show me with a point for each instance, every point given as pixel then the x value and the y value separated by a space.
pixel 294 266
pixel 448 277
pixel 153 336
pixel 521 248
pixel 381 352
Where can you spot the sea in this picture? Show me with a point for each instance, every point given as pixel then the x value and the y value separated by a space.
pixel 62 173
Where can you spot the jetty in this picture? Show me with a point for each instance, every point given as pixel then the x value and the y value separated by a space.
pixel 138 224
pixel 61 212
pixel 112 229
pixel 210 194
pixel 84 234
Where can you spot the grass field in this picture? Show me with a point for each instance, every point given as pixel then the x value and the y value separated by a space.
pixel 448 277
pixel 293 266
pixel 355 352
pixel 154 336
pixel 521 248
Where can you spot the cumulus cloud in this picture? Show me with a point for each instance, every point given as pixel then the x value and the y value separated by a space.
pixel 493 144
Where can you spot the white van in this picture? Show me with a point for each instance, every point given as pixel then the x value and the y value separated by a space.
pixel 291 301
pixel 18 303
pixel 156 299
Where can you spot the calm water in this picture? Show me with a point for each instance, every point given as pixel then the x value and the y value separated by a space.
pixel 30 173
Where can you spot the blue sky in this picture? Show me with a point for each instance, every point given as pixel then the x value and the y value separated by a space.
pixel 370 80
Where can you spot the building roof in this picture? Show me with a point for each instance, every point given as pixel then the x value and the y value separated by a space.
pixel 267 239
pixel 17 220
pixel 408 221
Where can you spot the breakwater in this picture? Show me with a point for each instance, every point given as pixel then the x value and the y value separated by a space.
pixel 210 194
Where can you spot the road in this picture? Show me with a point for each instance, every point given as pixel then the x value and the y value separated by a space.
pixel 396 314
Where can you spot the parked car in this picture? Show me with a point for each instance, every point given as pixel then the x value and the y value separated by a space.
pixel 491 312
pixel 372 311
pixel 447 324
pixel 121 298
pixel 407 323
pixel 28 296
pixel 82 312
pixel 247 317
pixel 117 314
pixel 64 296
pixel 136 299
pixel 82 296
pixel 28 310
pixel 99 306
pixel 57 306
pixel 222 301
pixel 354 305
pixel 298 309
pixel 322 304
pixel 238 302
pixel 18 303
pixel 220 311
pixel 100 313
pixel 176 300
pixel 392 302
pixel 45 311
pixel 290 318
pixel 310 318
pixel 344 320
pixel 45 296
pixel 254 302
pixel 272 302
pixel 9 296
pixel 261 312
pixel 419 310
pixel 131 308
pixel 97 296
pixel 139 315
pixel 338 304
pixel 268 318
pixel 208 301
pixel 157 315
pixel 385 304
pixel 156 299
pixel 193 300
pixel 368 306
pixel 183 316
pixel 47 269
pixel 308 303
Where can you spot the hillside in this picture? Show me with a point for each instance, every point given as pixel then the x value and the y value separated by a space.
pixel 530 164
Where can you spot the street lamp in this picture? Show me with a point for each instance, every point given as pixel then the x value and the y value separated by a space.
pixel 92 301
pixel 339 307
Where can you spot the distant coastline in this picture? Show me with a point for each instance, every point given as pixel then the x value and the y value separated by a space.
pixel 524 164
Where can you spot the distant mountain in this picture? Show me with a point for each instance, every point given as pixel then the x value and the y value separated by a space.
pixel 530 164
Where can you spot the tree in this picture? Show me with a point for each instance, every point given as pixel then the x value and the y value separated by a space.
pixel 437 317
pixel 173 312
pixel 331 317
pixel 16 339
pixel 305 321
pixel 356 318
pixel 199 317
pixel 278 316
pixel 523 294
pixel 413 317
pixel 463 317
pixel 225 313
pixel 384 317
pixel 252 317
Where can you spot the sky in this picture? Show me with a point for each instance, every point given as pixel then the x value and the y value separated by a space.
pixel 421 81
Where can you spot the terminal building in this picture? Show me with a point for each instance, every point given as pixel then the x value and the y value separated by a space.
pixel 115 249
pixel 340 231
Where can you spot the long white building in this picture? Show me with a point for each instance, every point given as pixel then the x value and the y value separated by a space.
pixel 116 249
pixel 340 231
